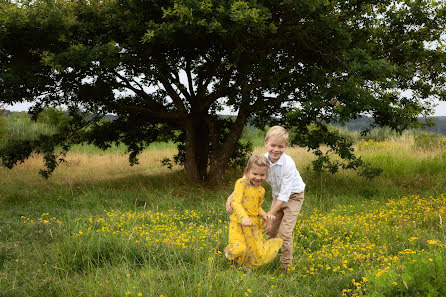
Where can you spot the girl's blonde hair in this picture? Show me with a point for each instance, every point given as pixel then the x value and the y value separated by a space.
pixel 259 160
pixel 278 132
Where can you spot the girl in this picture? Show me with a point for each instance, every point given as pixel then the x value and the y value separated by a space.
pixel 246 243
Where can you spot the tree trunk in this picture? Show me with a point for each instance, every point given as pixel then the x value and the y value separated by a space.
pixel 219 165
pixel 220 156
pixel 197 148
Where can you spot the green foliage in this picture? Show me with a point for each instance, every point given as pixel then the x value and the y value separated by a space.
pixel 315 135
pixel 170 67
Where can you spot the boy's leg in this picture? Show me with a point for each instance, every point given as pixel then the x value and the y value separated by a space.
pixel 291 210
pixel 275 224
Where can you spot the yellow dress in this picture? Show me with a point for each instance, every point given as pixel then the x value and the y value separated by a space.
pixel 247 246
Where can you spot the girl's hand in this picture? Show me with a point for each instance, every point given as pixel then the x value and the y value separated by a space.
pixel 270 216
pixel 246 221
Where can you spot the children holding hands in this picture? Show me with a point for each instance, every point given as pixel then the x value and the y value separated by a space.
pixel 287 191
pixel 246 243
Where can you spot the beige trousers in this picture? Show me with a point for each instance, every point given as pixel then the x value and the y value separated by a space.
pixel 283 225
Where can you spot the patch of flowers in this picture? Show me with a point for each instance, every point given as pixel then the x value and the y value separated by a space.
pixel 45 218
pixel 186 229
pixel 372 144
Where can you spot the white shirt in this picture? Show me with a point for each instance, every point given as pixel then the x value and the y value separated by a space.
pixel 284 178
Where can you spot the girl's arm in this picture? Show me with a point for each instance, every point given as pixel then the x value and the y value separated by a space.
pixel 238 209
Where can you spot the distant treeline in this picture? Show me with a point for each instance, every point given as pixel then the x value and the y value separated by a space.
pixel 365 123
pixel 354 125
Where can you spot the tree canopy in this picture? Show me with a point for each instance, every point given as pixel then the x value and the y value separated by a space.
pixel 169 68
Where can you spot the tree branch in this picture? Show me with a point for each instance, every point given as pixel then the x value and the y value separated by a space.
pixel 220 92
pixel 171 117
pixel 189 79
pixel 163 75
pixel 140 92
pixel 203 83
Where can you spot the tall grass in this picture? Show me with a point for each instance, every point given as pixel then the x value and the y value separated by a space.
pixel 19 125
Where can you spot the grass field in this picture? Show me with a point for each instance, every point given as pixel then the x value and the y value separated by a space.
pixel 99 227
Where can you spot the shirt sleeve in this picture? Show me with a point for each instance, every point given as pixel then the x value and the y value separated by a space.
pixel 286 184
pixel 239 190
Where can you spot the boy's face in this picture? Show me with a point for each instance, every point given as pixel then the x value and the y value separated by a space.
pixel 256 175
pixel 275 147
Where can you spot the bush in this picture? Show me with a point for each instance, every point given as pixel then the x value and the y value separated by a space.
pixel 53 117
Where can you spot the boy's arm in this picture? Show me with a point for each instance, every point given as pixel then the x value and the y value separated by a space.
pixel 286 184
pixel 229 203
pixel 275 207
pixel 285 191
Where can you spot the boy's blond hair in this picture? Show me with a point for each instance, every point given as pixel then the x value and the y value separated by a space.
pixel 259 160
pixel 277 132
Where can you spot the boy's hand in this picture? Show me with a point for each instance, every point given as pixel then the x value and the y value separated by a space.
pixel 229 204
pixel 267 224
pixel 246 221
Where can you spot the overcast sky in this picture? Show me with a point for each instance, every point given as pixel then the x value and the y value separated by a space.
pixel 440 110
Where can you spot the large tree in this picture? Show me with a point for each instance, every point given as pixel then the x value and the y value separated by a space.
pixel 167 68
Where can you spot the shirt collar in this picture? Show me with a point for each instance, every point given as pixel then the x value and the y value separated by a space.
pixel 278 162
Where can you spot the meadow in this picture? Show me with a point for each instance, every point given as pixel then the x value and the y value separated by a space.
pixel 99 227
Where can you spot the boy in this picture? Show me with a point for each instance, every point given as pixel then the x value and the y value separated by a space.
pixel 287 191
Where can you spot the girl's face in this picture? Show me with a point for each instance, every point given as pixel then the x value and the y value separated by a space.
pixel 257 174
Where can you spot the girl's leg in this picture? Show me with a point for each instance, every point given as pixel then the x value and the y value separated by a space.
pixel 236 249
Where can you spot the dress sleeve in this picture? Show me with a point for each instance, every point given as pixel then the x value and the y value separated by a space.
pixel 262 196
pixel 239 190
